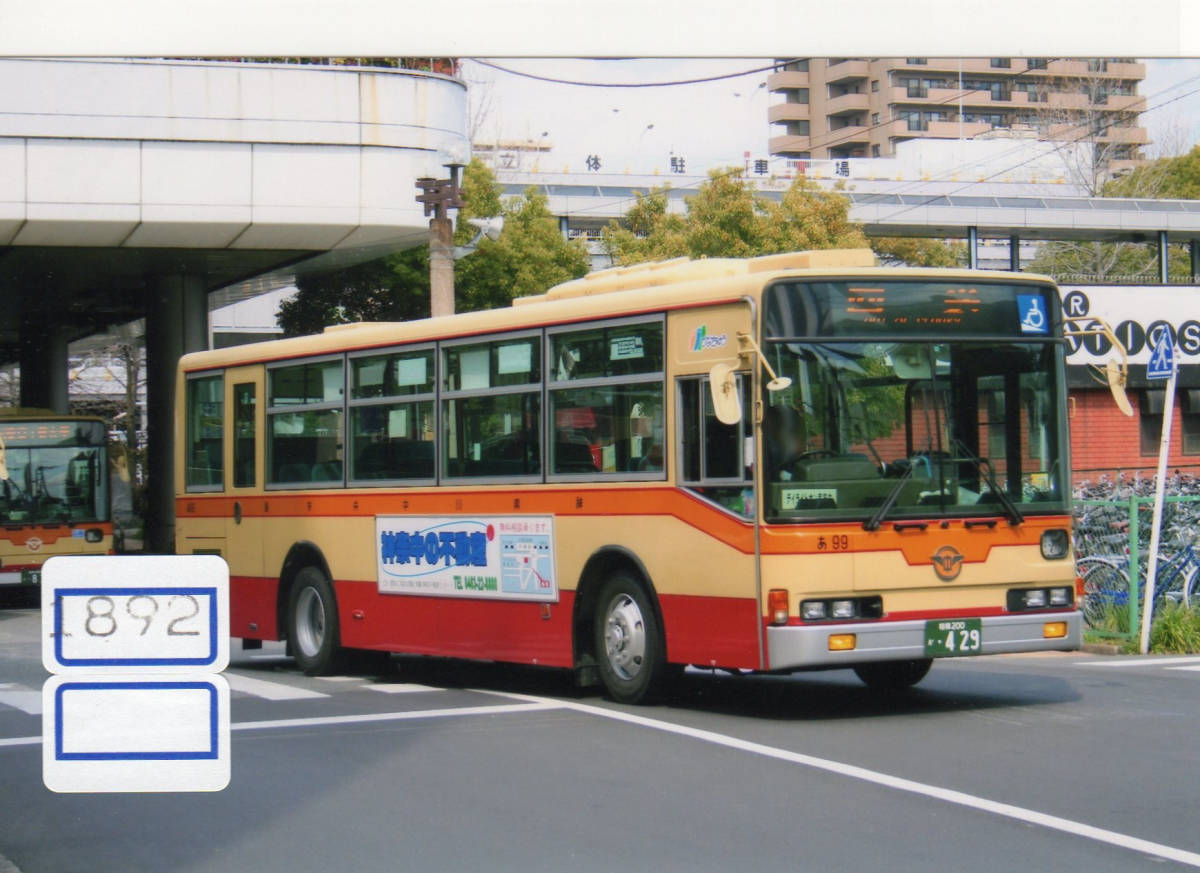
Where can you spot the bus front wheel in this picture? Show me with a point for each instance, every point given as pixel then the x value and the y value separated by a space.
pixel 313 623
pixel 893 675
pixel 629 642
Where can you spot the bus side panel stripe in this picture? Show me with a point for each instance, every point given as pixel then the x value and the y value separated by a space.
pixel 458 627
pixel 711 631
pixel 252 601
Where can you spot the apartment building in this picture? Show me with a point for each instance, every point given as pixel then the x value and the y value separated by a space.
pixel 832 108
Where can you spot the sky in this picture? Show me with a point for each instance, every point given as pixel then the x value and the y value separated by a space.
pixel 709 124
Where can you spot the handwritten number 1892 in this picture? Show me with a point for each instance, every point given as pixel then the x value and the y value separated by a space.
pixel 102 614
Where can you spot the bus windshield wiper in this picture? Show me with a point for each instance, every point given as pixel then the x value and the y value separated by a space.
pixel 984 468
pixel 875 520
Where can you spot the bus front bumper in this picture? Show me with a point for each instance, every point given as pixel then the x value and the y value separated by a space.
pixel 795 647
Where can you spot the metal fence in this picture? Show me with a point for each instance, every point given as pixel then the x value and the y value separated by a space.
pixel 1113 536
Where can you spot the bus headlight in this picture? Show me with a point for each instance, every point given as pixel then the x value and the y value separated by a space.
pixel 812 610
pixel 1055 544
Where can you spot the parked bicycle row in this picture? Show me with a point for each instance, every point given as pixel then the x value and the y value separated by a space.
pixel 1113 525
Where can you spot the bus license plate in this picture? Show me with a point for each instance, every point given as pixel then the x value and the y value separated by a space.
pixel 952 637
pixel 31 577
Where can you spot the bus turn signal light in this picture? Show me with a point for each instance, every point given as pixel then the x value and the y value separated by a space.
pixel 777 605
pixel 842 642
pixel 1053 630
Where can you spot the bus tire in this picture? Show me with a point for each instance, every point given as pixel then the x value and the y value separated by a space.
pixel 629 643
pixel 893 675
pixel 313 624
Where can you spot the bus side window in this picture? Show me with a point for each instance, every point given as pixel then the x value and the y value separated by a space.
pixel 205 429
pixel 717 458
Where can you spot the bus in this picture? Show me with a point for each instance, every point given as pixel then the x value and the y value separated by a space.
pixel 54 497
pixel 783 463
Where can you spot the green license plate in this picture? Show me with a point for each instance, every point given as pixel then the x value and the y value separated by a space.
pixel 31 577
pixel 951 637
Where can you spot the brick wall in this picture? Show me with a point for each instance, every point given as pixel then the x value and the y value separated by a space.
pixel 1103 440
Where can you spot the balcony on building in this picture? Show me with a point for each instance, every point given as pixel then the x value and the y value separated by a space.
pixel 790 146
pixel 846 70
pixel 845 137
pixel 787 80
pixel 847 104
pixel 781 112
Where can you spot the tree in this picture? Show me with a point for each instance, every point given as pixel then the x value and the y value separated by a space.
pixel 530 256
pixel 727 217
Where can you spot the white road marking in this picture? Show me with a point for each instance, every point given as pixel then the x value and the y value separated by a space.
pixel 19 697
pixel 534 706
pixel 958 798
pixel 1191 667
pixel 20 741
pixel 339 678
pixel 1141 661
pixel 401 688
pixel 269 690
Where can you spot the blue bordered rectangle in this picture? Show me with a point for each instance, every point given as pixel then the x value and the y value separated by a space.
pixel 209 754
pixel 208 659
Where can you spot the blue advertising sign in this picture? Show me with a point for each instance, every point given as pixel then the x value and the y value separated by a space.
pixel 503 557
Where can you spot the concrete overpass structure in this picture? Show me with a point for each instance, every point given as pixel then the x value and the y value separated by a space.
pixel 974 211
pixel 138 188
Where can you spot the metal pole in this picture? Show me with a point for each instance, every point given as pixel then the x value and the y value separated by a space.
pixel 441 267
pixel 1194 251
pixel 973 248
pixel 1163 261
pixel 1014 253
pixel 1164 447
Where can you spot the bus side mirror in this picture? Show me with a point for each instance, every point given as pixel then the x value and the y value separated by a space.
pixel 723 385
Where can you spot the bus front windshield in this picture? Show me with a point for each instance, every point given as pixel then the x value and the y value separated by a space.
pixel 891 430
pixel 63 482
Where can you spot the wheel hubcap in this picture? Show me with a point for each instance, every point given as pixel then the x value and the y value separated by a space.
pixel 310 622
pixel 625 637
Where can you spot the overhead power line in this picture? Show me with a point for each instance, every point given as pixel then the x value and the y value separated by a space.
pixel 555 81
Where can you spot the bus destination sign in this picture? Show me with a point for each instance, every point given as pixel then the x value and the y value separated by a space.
pixel 833 309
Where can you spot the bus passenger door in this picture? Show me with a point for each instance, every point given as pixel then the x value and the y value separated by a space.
pixel 244 440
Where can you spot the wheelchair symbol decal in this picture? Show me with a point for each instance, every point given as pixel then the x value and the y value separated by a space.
pixel 1033 316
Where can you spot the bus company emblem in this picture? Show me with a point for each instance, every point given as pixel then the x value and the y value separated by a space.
pixel 947 563
pixel 33 543
pixel 703 341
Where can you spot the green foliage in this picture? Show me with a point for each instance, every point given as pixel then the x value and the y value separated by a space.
pixel 914 251
pixel 530 256
pixel 726 217
pixel 1176 630
pixel 395 288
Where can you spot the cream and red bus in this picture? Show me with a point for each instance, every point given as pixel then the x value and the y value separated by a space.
pixel 800 461
pixel 54 491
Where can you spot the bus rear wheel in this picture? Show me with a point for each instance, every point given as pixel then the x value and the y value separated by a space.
pixel 893 675
pixel 313 624
pixel 629 642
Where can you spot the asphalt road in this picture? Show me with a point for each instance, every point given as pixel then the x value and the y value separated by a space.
pixel 1019 763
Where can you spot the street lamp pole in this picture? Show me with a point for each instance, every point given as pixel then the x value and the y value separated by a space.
pixel 439 196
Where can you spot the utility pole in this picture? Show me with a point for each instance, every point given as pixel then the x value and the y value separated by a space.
pixel 439 196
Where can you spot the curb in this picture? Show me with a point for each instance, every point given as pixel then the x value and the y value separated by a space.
pixel 1101 648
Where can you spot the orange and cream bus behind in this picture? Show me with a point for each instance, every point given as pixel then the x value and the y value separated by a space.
pixel 54 491
pixel 799 461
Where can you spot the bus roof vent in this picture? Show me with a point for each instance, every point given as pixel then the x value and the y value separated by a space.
pixel 668 272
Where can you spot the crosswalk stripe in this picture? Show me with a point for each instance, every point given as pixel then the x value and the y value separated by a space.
pixel 1191 667
pixel 269 690
pixel 19 697
pixel 401 688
